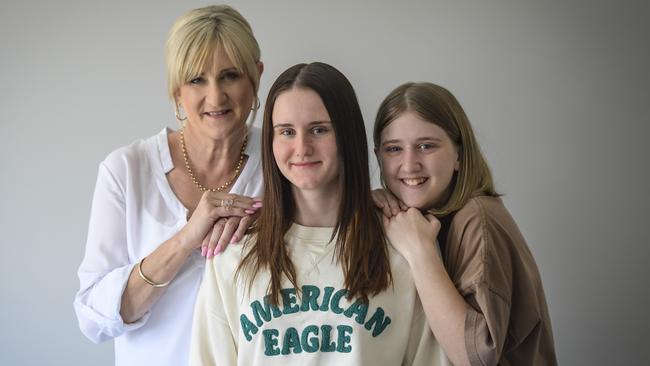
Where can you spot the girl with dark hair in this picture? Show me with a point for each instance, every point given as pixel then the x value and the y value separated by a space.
pixel 315 281
pixel 480 288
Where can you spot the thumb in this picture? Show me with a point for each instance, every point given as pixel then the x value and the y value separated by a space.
pixel 432 219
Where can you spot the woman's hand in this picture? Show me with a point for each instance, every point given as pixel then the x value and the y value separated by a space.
pixel 387 202
pixel 413 234
pixel 212 207
pixel 227 230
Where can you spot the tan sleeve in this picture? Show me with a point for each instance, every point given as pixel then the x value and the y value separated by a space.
pixel 482 273
pixel 212 341
pixel 486 326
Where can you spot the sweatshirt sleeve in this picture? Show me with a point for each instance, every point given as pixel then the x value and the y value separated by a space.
pixel 105 269
pixel 422 348
pixel 213 341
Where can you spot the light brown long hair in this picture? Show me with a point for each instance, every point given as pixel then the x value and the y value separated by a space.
pixel 437 105
pixel 361 247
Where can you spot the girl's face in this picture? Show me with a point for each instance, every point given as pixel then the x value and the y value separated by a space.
pixel 418 161
pixel 304 142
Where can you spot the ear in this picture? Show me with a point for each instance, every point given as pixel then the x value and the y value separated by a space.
pixel 457 162
pixel 260 67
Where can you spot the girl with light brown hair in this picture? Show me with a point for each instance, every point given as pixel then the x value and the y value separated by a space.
pixel 478 282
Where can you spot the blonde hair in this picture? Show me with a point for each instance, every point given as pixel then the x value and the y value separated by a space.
pixel 204 32
pixel 437 105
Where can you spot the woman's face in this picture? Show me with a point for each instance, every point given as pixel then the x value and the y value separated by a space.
pixel 418 161
pixel 304 142
pixel 220 97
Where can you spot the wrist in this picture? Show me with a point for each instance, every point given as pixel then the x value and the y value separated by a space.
pixel 181 243
pixel 423 255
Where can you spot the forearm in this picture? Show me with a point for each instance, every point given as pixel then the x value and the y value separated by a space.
pixel 161 266
pixel 444 307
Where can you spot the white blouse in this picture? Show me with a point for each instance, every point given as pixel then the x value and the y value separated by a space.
pixel 134 210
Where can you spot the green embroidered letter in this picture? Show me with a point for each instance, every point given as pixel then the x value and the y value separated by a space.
pixel 291 341
pixel 247 327
pixel 309 297
pixel 289 301
pixel 326 298
pixel 344 339
pixel 360 308
pixel 271 342
pixel 264 312
pixel 378 321
pixel 310 345
pixel 326 345
pixel 336 300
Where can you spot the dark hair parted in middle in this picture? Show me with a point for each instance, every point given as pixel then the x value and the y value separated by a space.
pixel 361 247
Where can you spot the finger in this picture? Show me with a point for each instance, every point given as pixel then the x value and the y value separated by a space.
pixel 402 205
pixel 244 224
pixel 433 221
pixel 219 199
pixel 393 202
pixel 220 212
pixel 204 245
pixel 380 201
pixel 228 230
pixel 214 237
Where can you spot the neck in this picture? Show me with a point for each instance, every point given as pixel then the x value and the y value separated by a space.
pixel 208 151
pixel 317 208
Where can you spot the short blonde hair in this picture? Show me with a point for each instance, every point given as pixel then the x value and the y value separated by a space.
pixel 204 32
pixel 437 105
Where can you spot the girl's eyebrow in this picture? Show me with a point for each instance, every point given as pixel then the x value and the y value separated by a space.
pixel 310 124
pixel 420 139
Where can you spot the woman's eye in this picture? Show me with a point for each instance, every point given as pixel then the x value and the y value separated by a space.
pixel 195 81
pixel 230 76
pixel 425 147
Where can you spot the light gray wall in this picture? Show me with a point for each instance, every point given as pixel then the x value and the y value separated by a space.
pixel 557 91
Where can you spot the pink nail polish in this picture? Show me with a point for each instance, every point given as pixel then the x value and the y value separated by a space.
pixel 250 212
pixel 234 239
pixel 204 251
pixel 257 204
pixel 217 250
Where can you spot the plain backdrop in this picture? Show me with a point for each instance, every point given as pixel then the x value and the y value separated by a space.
pixel 558 93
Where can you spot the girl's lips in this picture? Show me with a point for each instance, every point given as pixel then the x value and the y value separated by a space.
pixel 413 182
pixel 305 164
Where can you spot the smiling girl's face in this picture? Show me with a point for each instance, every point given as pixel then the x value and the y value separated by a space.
pixel 418 161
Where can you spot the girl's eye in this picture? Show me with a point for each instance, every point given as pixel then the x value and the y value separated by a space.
pixel 426 147
pixel 319 130
pixel 287 132
pixel 392 149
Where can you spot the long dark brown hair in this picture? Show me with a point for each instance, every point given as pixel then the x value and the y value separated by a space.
pixel 361 246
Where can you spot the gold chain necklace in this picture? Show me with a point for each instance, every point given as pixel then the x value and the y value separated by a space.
pixel 198 184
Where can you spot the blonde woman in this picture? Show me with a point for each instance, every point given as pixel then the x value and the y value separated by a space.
pixel 162 202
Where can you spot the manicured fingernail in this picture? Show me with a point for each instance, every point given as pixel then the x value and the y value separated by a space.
pixel 257 204
pixel 250 212
pixel 204 250
pixel 217 250
pixel 234 239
